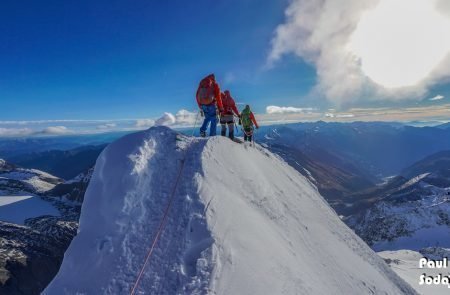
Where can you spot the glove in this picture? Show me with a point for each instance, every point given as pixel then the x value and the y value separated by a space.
pixel 240 123
pixel 202 114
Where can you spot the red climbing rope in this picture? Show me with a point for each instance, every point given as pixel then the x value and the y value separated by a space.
pixel 163 220
pixel 160 228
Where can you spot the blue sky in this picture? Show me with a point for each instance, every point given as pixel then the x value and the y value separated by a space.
pixel 114 60
pixel 122 59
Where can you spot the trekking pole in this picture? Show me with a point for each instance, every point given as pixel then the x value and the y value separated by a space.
pixel 195 123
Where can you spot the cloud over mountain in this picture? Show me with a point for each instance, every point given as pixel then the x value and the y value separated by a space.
pixel 55 130
pixel 6 132
pixel 286 110
pixel 144 123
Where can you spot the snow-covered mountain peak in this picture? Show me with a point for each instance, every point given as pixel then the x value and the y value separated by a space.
pixel 15 180
pixel 239 221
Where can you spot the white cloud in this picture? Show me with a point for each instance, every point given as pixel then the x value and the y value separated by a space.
pixel 286 110
pixel 144 123
pixel 8 132
pixel 351 62
pixel 181 118
pixel 437 97
pixel 331 115
pixel 107 126
pixel 18 132
pixel 55 130
pixel 167 119
pixel 184 117
pixel 345 116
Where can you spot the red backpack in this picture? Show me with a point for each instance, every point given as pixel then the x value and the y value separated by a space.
pixel 206 92
pixel 228 103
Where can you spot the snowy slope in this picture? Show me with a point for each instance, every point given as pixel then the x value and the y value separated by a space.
pixel 242 222
pixel 406 264
pixel 31 180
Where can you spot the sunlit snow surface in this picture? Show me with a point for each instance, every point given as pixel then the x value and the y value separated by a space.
pixel 242 222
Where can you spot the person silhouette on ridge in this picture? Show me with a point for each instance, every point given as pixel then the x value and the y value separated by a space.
pixel 248 120
pixel 227 115
pixel 210 103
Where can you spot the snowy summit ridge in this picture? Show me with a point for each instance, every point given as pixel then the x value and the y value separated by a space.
pixel 242 222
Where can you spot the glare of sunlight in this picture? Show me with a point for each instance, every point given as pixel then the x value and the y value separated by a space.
pixel 400 42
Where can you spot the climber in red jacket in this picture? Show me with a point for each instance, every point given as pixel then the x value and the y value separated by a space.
pixel 227 115
pixel 210 103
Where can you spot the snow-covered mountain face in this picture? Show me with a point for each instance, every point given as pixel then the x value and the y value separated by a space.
pixel 422 221
pixel 240 221
pixel 36 227
pixel 412 214
pixel 14 179
pixel 74 189
pixel 346 160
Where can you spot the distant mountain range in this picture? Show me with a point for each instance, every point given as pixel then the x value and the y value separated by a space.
pixel 380 149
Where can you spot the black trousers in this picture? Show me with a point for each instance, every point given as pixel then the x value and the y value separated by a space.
pixel 227 121
pixel 248 134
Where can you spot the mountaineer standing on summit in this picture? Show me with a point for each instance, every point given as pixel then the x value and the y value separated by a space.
pixel 227 115
pixel 247 120
pixel 210 103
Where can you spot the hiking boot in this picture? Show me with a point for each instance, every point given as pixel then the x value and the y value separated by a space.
pixel 203 133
